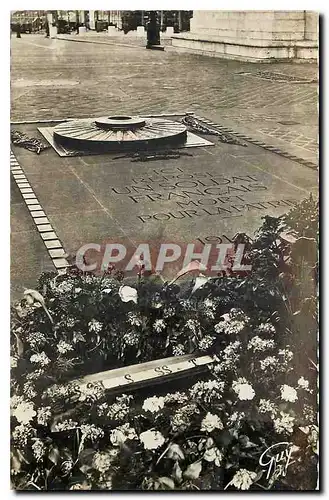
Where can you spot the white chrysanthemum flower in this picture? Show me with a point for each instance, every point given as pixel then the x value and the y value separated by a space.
pixel 313 438
pixel 119 409
pixel 209 313
pixel 169 312
pixel 29 390
pixel 64 347
pixel 90 392
pixel 258 344
pixel 243 389
pixel 38 448
pixel 266 406
pixel 178 350
pixel 80 486
pixel 133 319
pixel 64 287
pixel 269 362
pixel 131 338
pixel 230 354
pixel 24 412
pixel 152 439
pixel 309 413
pixel 15 401
pixel 175 397
pixel 159 325
pixel 40 358
pixel 36 339
pixel 95 326
pixel 22 433
pixel 127 294
pixel 153 404
pixel 236 418
pixel 66 425
pixel 206 342
pixel 243 479
pixel 70 322
pixel 102 461
pixel 230 326
pixel 284 423
pixel 89 279
pixel 266 328
pixel 207 391
pixel 286 354
pixel 211 422
pixel 193 324
pixel 121 434
pixel 303 383
pixel 43 415
pixel 91 432
pixel 209 303
pixel 58 391
pixel 13 362
pixel 288 393
pixel 213 455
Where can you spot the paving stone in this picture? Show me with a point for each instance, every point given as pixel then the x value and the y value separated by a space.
pixel 34 208
pixel 56 253
pixel 28 196
pixel 43 228
pixel 41 220
pixel 32 201
pixel 26 190
pixel 60 263
pixel 38 213
pixel 19 176
pixel 48 235
pixel 53 244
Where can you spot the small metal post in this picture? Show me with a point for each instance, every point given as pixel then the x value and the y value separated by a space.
pixel 180 20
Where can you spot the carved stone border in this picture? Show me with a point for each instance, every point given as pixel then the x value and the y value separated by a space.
pixel 261 144
pixel 45 229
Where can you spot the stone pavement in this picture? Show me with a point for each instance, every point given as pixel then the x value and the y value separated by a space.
pixel 87 199
pixel 113 76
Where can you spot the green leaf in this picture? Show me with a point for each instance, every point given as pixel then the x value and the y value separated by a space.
pixel 193 471
pixel 177 473
pixel 166 483
pixel 15 463
pixel 54 454
pixel 20 346
pixel 259 475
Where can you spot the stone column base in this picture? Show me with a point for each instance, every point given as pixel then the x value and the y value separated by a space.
pixel 251 50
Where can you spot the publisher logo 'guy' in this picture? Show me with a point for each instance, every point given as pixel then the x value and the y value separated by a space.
pixel 276 459
pixel 156 257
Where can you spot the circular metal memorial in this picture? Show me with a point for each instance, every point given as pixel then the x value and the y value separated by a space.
pixel 118 133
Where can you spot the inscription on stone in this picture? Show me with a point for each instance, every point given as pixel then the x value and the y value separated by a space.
pixel 197 194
